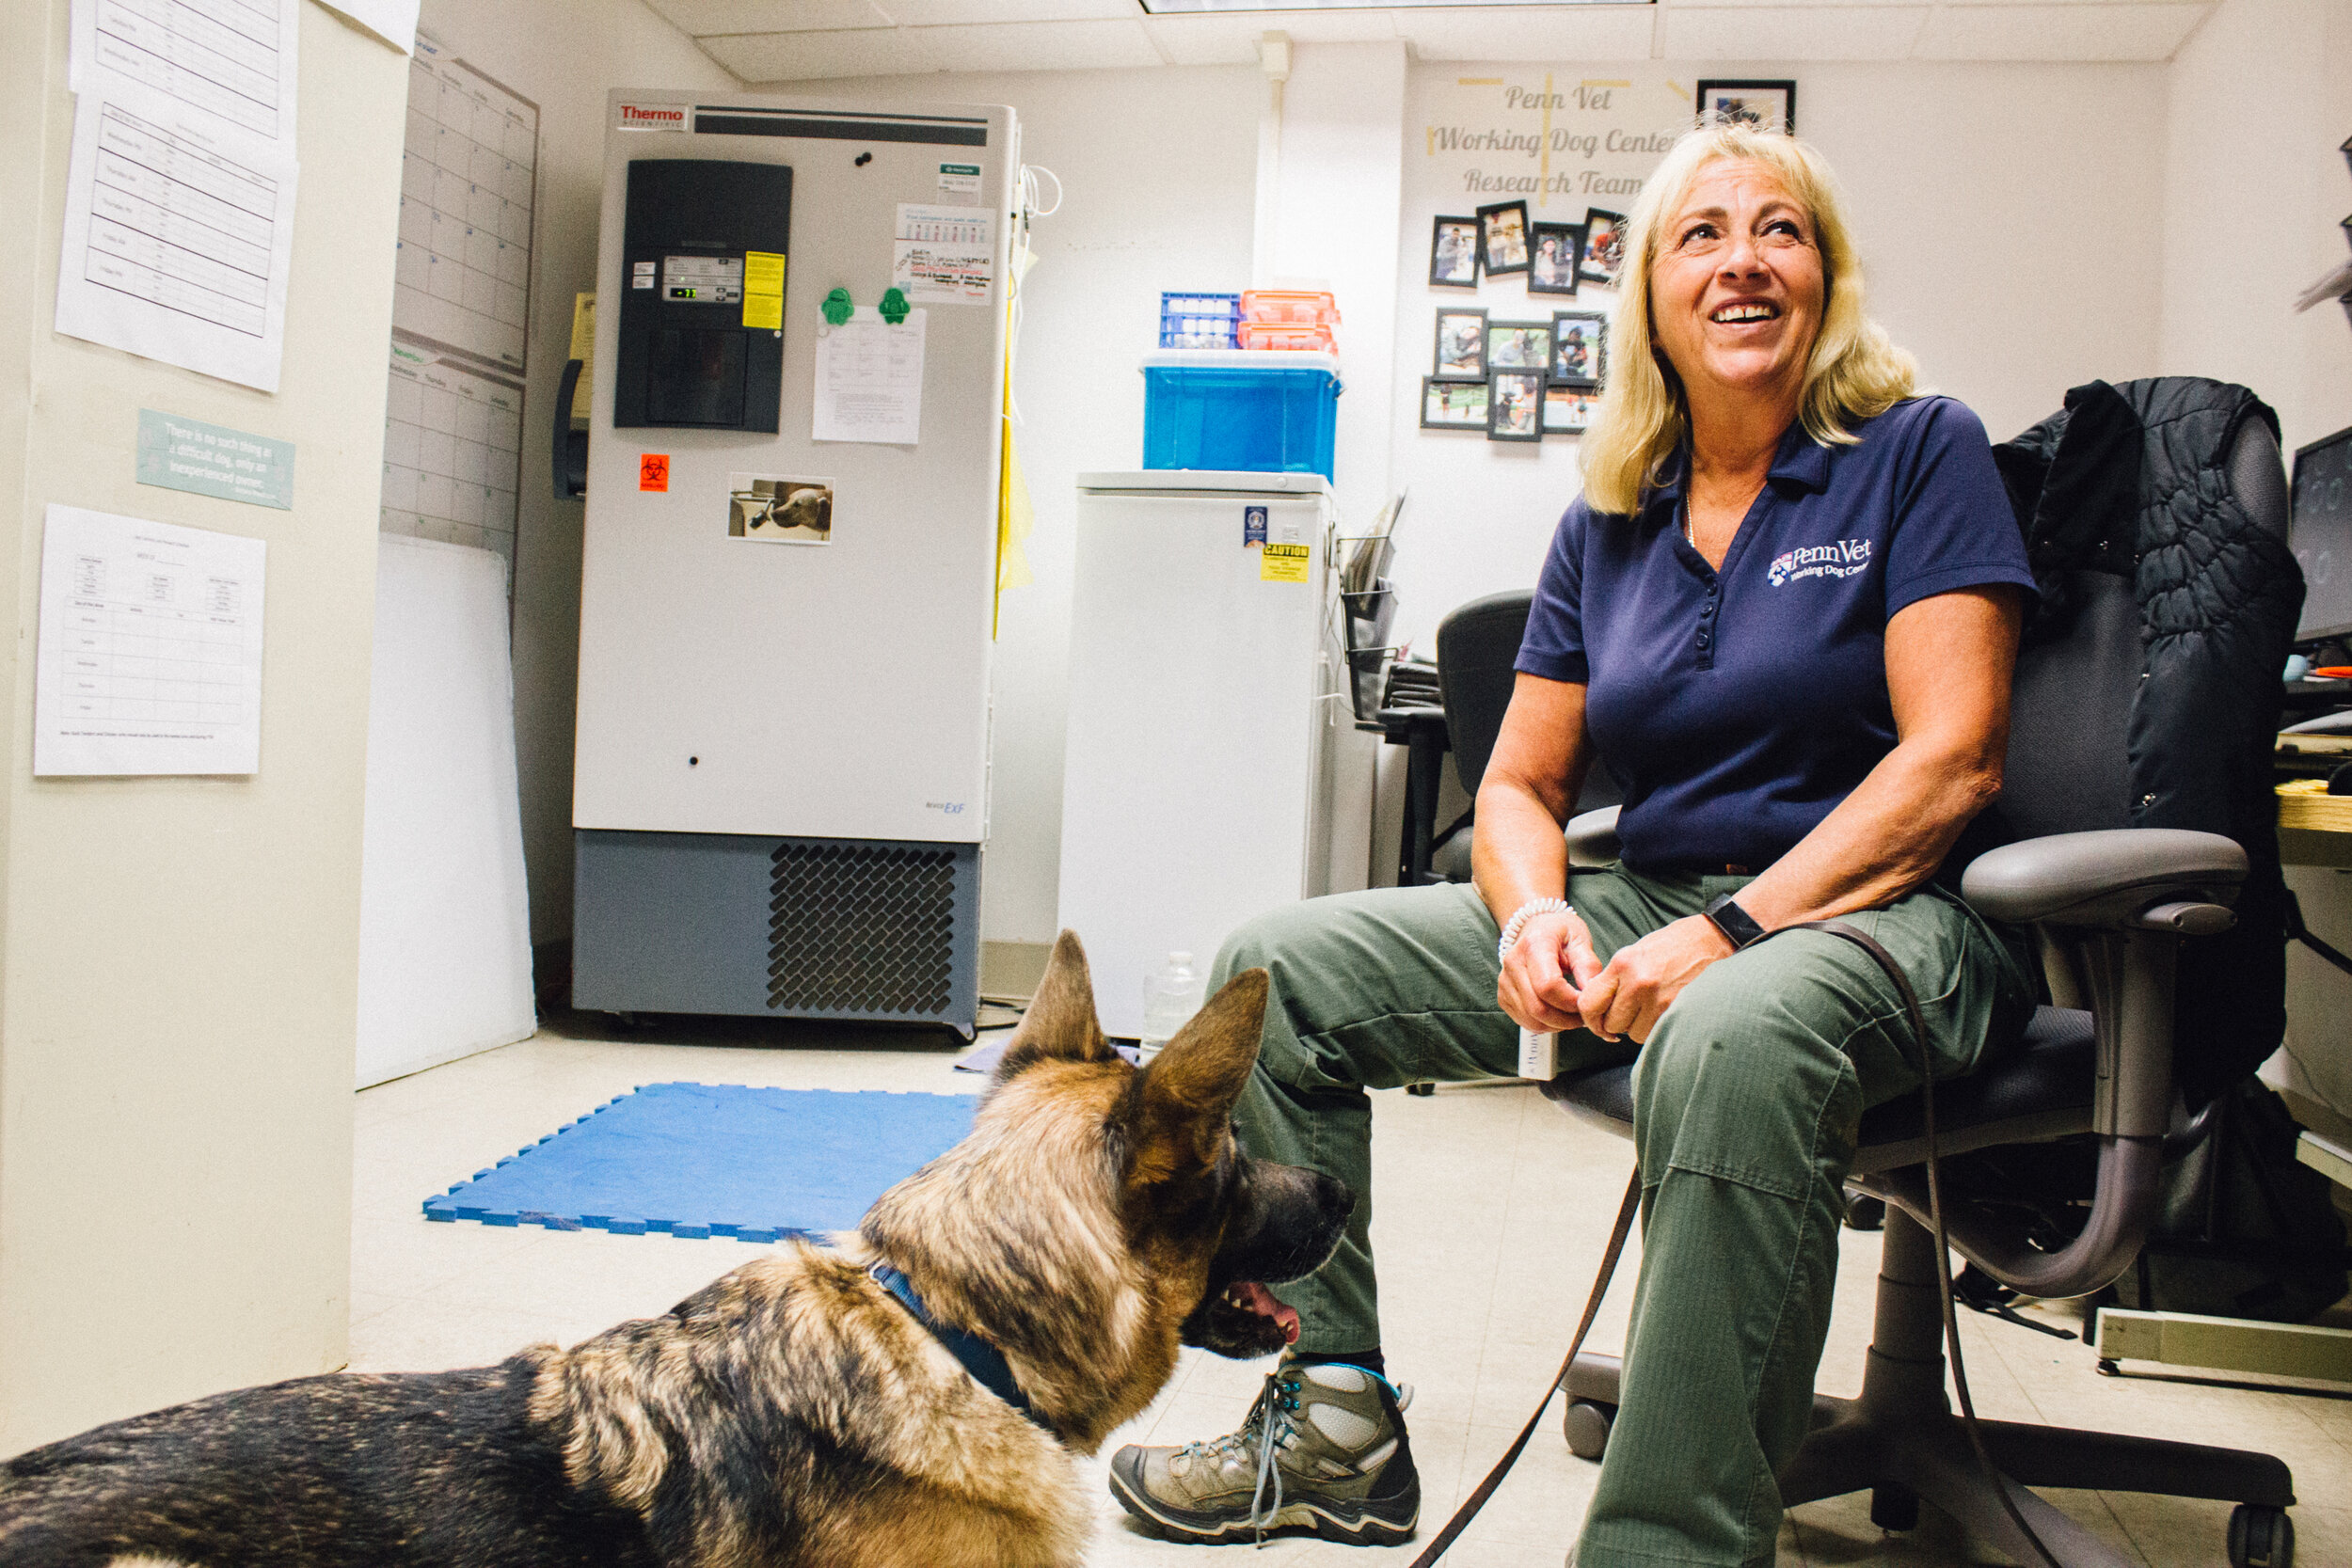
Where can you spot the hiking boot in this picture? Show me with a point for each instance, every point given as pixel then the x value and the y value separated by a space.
pixel 1323 1448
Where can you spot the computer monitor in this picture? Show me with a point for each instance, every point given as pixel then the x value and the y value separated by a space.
pixel 2319 530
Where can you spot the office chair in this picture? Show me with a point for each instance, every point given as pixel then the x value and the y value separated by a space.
pixel 2111 906
pixel 1477 645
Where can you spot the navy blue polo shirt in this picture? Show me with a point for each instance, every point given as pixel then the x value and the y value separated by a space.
pixel 1737 708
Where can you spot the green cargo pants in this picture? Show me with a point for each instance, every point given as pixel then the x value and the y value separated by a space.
pixel 1747 1101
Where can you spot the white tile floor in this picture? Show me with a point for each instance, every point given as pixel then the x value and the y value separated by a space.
pixel 1493 1208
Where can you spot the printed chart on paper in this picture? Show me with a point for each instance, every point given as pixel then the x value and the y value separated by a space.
pixel 179 227
pixel 453 434
pixel 151 647
pixel 232 60
pixel 452 449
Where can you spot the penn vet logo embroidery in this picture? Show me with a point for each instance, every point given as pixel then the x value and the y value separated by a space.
pixel 1844 559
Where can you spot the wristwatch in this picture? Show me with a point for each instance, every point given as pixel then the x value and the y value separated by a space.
pixel 1738 926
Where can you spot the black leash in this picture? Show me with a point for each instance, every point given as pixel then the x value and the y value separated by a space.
pixel 1917 1020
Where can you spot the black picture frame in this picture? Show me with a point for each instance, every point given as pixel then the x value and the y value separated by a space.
pixel 1518 346
pixel 1592 331
pixel 1558 276
pixel 1438 389
pixel 1514 405
pixel 1567 410
pixel 1446 270
pixel 1460 365
pixel 2345 224
pixel 1502 237
pixel 1769 103
pixel 2347 149
pixel 1605 246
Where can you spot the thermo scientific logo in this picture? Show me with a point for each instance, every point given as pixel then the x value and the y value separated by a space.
pixel 652 117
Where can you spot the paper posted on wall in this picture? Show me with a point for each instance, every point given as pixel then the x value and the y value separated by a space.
pixel 869 380
pixel 945 255
pixel 150 648
pixel 229 65
pixel 177 242
pixel 393 20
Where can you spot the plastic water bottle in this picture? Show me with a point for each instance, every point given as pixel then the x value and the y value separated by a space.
pixel 1171 998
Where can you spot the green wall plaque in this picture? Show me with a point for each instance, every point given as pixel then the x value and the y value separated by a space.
pixel 181 453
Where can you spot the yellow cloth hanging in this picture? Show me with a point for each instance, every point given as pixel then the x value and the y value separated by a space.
pixel 1015 516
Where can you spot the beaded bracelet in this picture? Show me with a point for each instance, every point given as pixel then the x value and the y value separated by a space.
pixel 1518 923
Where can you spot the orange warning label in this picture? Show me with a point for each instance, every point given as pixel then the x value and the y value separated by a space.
pixel 653 471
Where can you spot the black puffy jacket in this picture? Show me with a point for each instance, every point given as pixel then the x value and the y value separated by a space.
pixel 2134 481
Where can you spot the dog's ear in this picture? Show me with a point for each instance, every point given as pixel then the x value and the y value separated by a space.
pixel 1184 1099
pixel 1059 1024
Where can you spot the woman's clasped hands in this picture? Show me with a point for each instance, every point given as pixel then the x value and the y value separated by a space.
pixel 1553 979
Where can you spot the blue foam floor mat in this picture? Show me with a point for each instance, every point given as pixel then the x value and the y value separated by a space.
pixel 702 1160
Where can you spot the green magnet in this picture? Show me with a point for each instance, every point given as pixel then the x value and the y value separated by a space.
pixel 837 307
pixel 894 307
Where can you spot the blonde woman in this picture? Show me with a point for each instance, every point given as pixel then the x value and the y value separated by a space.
pixel 1786 610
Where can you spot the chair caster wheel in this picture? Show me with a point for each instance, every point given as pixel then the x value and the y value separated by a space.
pixel 2261 1536
pixel 1422 1089
pixel 1892 1508
pixel 1587 1424
pixel 1863 1213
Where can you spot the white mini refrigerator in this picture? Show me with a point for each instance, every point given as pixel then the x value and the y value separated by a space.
pixel 1207 710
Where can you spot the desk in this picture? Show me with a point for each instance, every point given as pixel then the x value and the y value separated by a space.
pixel 2311 756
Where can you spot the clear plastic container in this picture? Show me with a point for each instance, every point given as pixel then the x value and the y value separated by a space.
pixel 1171 997
pixel 1299 307
pixel 1287 336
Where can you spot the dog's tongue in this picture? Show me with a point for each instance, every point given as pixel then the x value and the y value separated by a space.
pixel 1260 1300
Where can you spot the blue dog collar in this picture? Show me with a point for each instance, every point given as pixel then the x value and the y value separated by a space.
pixel 984 1361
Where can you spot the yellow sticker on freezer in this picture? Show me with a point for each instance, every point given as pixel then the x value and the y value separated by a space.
pixel 1282 564
pixel 763 290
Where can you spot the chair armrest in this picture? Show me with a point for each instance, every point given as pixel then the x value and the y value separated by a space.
pixel 2148 878
pixel 1593 837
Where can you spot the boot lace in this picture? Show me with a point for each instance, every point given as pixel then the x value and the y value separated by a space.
pixel 1268 1426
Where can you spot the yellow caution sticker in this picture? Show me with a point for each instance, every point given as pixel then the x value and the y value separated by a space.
pixel 1282 564
pixel 763 290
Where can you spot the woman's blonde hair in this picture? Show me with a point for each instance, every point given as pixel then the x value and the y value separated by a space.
pixel 1855 372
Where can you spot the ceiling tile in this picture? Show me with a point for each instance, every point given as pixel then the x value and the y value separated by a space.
pixel 941 13
pixel 704 18
pixel 1788 33
pixel 2046 32
pixel 1208 40
pixel 1039 46
pixel 1514 33
pixel 757 57
pixel 1230 38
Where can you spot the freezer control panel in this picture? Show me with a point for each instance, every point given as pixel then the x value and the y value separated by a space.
pixel 704 255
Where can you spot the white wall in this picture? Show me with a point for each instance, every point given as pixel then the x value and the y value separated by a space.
pixel 2009 219
pixel 563 55
pixel 2253 189
pixel 178 955
pixel 1158 172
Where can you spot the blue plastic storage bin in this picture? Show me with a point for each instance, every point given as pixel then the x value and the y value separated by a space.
pixel 1189 319
pixel 1252 411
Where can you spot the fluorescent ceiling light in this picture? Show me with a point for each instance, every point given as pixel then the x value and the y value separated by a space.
pixel 1196 7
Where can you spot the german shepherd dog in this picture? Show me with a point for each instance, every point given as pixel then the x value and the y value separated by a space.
pixel 796 1413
